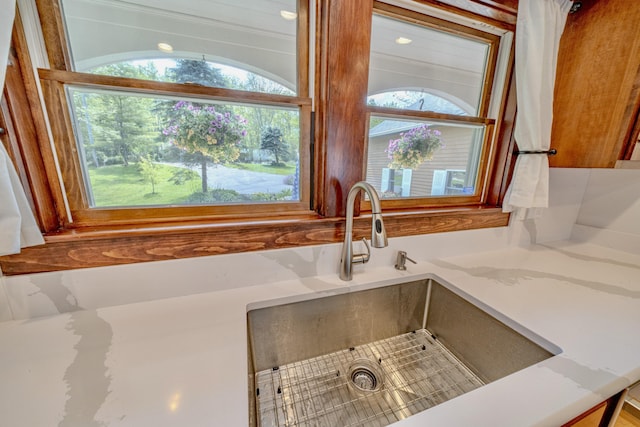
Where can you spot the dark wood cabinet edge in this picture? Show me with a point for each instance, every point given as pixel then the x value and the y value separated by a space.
pixel 631 133
pixel 609 411
pixel 77 249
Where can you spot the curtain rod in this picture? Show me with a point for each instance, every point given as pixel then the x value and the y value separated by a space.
pixel 551 152
pixel 575 7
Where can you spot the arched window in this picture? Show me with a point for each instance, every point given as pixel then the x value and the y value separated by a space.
pixel 196 71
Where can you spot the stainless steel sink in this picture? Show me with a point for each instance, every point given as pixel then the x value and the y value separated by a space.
pixel 376 356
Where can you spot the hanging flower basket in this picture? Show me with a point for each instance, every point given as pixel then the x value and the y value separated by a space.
pixel 414 147
pixel 202 129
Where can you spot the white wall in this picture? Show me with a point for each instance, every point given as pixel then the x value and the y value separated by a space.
pixel 34 295
pixel 566 190
pixel 610 211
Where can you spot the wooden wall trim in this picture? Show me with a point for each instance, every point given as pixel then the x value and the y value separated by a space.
pixel 53 31
pixel 345 46
pixel 72 252
pixel 159 88
pixel 32 153
pixel 451 118
pixel 503 160
pixel 499 13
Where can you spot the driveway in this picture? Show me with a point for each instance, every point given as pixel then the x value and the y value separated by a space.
pixel 243 181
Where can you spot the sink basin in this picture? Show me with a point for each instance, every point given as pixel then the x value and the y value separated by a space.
pixel 376 356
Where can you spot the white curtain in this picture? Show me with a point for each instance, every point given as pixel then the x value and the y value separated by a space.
pixel 538 30
pixel 18 227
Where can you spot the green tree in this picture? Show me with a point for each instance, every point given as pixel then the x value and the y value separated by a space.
pixel 212 136
pixel 147 71
pixel 114 125
pixel 150 172
pixel 272 140
pixel 197 72
pixel 127 124
pixel 259 119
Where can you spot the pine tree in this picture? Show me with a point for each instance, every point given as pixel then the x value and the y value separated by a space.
pixel 196 72
pixel 272 140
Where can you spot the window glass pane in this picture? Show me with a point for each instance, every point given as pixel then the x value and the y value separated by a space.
pixel 138 150
pixel 423 158
pixel 415 101
pixel 417 59
pixel 235 38
pixel 192 71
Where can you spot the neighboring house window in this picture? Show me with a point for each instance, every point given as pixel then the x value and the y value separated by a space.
pixel 173 112
pixel 430 92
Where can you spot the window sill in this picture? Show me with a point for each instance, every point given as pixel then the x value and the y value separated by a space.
pixel 100 247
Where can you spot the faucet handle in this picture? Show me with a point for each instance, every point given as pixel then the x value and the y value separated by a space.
pixel 401 260
pixel 362 258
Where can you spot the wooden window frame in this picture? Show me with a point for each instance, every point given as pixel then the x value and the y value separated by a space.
pixel 433 202
pixel 339 127
pixel 55 83
pixel 59 77
pixel 493 43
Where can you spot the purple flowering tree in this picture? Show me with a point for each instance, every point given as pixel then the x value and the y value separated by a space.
pixel 414 147
pixel 213 136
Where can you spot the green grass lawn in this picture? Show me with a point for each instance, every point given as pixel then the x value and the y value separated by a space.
pixel 124 186
pixel 117 185
pixel 289 169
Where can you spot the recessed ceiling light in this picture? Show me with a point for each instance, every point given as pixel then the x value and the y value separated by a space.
pixel 403 40
pixel 165 47
pixel 289 16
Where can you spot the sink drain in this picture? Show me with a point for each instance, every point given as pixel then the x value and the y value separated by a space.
pixel 364 379
pixel 364 375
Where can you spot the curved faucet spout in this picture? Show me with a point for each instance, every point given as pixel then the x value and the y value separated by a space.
pixel 378 233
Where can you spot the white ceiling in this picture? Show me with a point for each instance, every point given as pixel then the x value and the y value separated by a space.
pixel 251 34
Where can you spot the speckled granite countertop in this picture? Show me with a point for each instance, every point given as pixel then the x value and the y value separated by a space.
pixel 182 361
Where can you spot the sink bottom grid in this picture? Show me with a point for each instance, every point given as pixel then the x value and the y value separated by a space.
pixel 415 371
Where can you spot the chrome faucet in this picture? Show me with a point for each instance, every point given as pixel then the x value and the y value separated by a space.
pixel 378 233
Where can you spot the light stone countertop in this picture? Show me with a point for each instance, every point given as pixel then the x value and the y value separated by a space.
pixel 182 361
